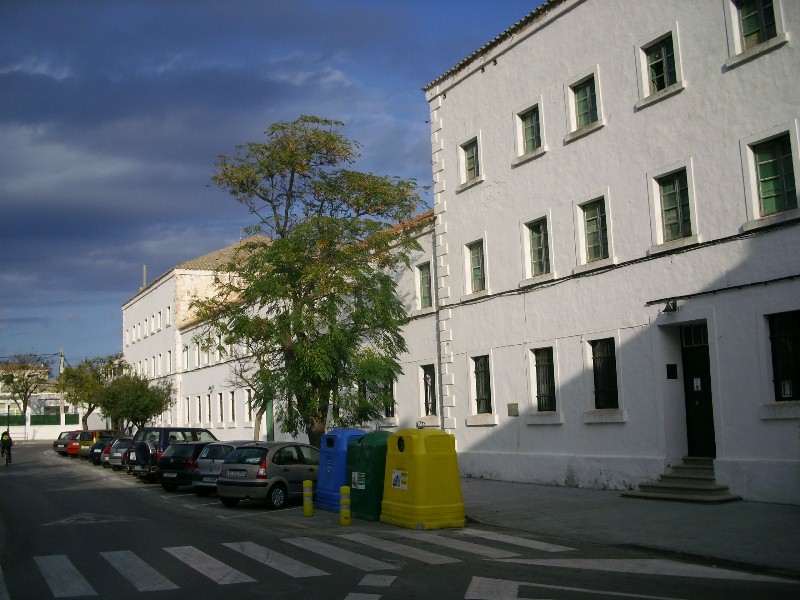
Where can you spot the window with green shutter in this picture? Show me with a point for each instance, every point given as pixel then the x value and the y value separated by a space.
pixel 471 166
pixel 483 390
pixel 756 22
pixel 476 266
pixel 775 173
pixel 594 215
pixel 540 254
pixel 675 215
pixel 585 102
pixel 531 131
pixel 661 64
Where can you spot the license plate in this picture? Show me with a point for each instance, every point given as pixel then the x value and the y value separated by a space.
pixel 237 473
pixel 165 475
pixel 209 480
pixel 132 456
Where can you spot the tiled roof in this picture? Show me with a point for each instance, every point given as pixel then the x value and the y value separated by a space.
pixel 214 260
pixel 539 12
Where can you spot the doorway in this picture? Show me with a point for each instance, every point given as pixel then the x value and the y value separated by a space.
pixel 697 391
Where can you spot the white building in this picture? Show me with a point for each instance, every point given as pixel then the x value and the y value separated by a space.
pixel 159 343
pixel 617 245
pixel 611 283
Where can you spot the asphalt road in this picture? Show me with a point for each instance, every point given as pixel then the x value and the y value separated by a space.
pixel 72 530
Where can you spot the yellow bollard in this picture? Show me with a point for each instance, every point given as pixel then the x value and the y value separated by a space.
pixel 344 505
pixel 308 499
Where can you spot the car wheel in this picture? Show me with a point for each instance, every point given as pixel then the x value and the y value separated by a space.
pixel 230 501
pixel 169 487
pixel 277 496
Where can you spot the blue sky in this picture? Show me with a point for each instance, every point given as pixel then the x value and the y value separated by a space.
pixel 112 114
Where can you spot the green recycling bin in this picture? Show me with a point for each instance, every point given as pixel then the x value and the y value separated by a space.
pixel 366 463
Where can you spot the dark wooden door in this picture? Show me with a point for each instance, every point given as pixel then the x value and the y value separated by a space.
pixel 697 391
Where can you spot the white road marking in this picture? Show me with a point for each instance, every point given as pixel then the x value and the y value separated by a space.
pixel 377 580
pixel 647 566
pixel 209 566
pixel 141 575
pixel 432 538
pixel 365 563
pixel 516 541
pixel 483 588
pixel 63 578
pixel 401 549
pixel 280 562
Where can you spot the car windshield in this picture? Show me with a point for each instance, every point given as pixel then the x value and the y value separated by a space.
pixel 247 456
pixel 122 444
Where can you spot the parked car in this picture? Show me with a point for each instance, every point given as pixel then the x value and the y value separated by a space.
pixel 86 440
pixel 118 449
pixel 149 444
pixel 60 443
pixel 96 450
pixel 271 471
pixel 106 453
pixel 178 463
pixel 209 463
pixel 74 444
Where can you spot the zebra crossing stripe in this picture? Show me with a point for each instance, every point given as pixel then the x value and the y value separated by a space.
pixel 469 547
pixel 64 579
pixel 280 562
pixel 209 566
pixel 401 549
pixel 143 577
pixel 516 541
pixel 365 563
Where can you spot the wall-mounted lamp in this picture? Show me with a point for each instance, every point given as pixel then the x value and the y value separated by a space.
pixel 671 306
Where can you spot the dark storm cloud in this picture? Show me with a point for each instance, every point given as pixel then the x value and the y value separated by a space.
pixel 113 112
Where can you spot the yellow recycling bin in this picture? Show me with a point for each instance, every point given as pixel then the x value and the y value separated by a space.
pixel 422 485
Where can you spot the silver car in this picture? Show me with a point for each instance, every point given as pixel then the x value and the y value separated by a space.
pixel 271 471
pixel 118 448
pixel 209 463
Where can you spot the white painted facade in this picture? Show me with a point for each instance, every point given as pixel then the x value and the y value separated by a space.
pixel 734 270
pixel 158 342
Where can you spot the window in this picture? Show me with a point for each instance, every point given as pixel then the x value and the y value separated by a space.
pixel 540 253
pixel 545 379
pixel 784 336
pixel 232 402
pixel 158 322
pixel 425 292
pixel 756 22
pixel 209 416
pixel 477 272
pixel 661 65
pixel 169 316
pixel 169 361
pixel 250 405
pixel 675 218
pixel 160 365
pixel 188 406
pixel 199 409
pixel 585 102
pixel 775 176
pixel 221 408
pixel 429 389
pixel 595 230
pixel 531 130
pixel 483 390
pixel 604 367
pixel 471 161
pixel 185 357
pixel 388 407
pixel 196 354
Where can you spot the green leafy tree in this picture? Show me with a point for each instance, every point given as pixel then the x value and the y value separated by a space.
pixel 83 385
pixel 132 401
pixel 311 305
pixel 24 376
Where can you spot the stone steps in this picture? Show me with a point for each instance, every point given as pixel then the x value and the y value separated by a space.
pixel 691 481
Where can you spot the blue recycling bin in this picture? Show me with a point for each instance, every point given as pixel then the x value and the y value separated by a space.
pixel 332 472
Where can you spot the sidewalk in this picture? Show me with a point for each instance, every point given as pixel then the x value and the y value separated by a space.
pixel 749 535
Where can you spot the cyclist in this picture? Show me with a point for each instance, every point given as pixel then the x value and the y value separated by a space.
pixel 5 443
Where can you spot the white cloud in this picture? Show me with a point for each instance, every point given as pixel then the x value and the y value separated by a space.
pixel 34 66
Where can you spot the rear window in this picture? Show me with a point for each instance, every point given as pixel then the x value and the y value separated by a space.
pixel 180 450
pixel 87 435
pixel 247 456
pixel 216 452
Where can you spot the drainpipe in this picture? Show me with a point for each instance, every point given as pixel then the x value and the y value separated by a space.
pixel 439 389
